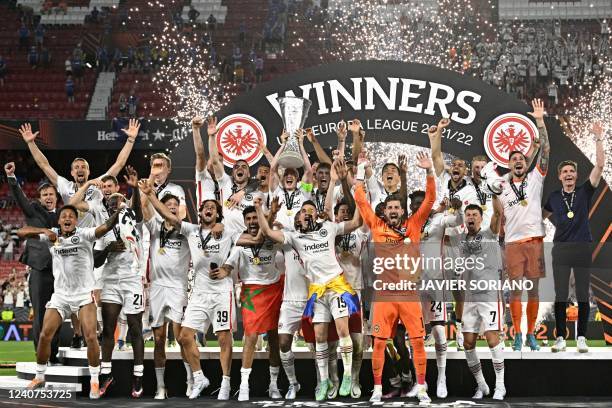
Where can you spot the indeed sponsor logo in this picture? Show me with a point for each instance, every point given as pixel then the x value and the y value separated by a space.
pixel 67 251
pixel 214 247
pixel 262 259
pixel 314 247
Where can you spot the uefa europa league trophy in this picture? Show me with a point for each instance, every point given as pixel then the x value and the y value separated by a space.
pixel 293 111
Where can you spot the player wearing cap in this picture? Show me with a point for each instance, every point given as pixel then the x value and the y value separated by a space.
pixel 521 197
pixel 331 298
pixel 72 256
pixel 568 209
pixel 390 233
pixel 484 305
pixel 260 299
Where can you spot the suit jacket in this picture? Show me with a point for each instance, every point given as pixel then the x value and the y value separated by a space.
pixel 36 254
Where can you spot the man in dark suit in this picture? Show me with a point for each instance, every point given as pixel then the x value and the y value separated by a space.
pixel 41 213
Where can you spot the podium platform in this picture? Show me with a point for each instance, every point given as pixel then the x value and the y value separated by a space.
pixel 527 373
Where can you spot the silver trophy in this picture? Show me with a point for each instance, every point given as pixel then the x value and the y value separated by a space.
pixel 293 111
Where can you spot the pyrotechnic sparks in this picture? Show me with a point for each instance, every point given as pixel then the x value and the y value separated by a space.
pixel 187 82
pixel 438 32
pixel 592 106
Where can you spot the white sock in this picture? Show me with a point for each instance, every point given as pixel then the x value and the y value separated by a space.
pixel 497 357
pixel 346 352
pixel 107 367
pixel 439 334
pixel 473 363
pixel 322 356
pixel 198 376
pixel 189 372
pixel 159 375
pixel 332 362
pixel 377 389
pixel 274 376
pixel 288 362
pixel 225 382
pixel 357 355
pixel 123 328
pixel 138 370
pixel 40 371
pixel 99 315
pixel 244 376
pixel 94 372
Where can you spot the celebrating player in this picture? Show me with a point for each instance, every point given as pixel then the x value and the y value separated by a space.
pixel 260 300
pixel 169 265
pixel 72 252
pixel 330 295
pixel 483 306
pixel 394 229
pixel 521 196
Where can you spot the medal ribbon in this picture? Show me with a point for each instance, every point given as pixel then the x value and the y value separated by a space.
pixel 255 249
pixel 482 196
pixel 569 205
pixel 520 192
pixel 204 241
pixel 452 191
pixel 289 199
pixel 160 188
pixel 164 235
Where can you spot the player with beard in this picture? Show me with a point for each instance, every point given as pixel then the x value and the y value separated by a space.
pixel 453 182
pixel 212 298
pixel 169 266
pixel 291 192
pixel 237 191
pixel 79 170
pixel 569 210
pixel 521 196
pixel 484 307
pixel 391 234
pixel 330 295
pixel 349 251
pixel 260 298
pixel 72 253
pixel 433 302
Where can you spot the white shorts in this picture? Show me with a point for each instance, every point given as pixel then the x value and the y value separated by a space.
pixel 290 318
pixel 68 305
pixel 128 293
pixel 206 308
pixel 480 317
pixel 434 309
pixel 166 304
pixel 329 307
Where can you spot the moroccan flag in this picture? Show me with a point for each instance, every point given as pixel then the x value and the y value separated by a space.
pixel 260 306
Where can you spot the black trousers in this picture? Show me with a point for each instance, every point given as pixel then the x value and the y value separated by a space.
pixel 568 256
pixel 41 289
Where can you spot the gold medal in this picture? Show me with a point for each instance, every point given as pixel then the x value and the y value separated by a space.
pixel 484 207
pixel 256 260
pixel 570 214
pixel 524 203
pixel 226 203
pixel 289 213
pixel 161 251
pixel 346 254
pixel 451 210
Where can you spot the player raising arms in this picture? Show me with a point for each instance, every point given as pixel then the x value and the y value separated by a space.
pixel 521 197
pixel 483 307
pixel 212 298
pixel 72 253
pixel 330 295
pixel 260 299
pixel 392 231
